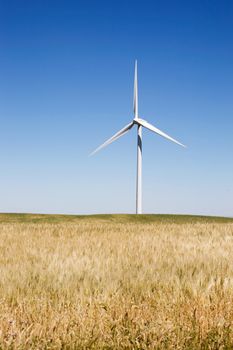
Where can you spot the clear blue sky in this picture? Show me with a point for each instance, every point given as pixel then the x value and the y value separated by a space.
pixel 66 85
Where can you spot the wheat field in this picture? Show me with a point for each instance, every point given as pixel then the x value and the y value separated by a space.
pixel 116 282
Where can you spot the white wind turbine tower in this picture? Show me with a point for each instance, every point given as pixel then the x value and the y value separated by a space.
pixel 139 122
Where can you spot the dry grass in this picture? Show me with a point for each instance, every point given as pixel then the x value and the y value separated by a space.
pixel 116 283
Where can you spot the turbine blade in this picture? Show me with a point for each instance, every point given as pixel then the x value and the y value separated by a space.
pixel 114 137
pixel 135 97
pixel 157 131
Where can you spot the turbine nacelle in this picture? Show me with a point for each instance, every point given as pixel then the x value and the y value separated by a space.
pixel 136 121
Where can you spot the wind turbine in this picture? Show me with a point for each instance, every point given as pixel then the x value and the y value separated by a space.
pixel 139 123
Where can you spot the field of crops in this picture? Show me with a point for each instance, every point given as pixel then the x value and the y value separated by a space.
pixel 116 282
